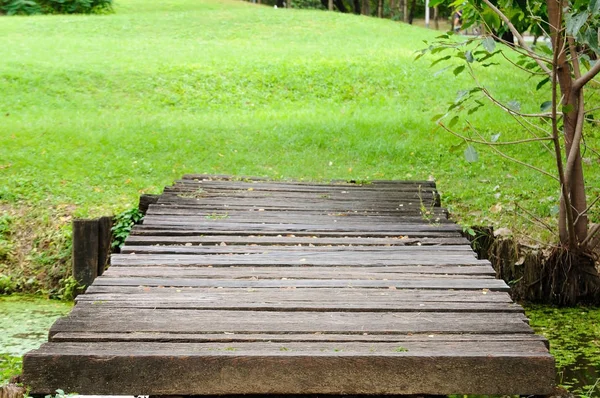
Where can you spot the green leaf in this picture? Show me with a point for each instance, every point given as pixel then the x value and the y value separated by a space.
pixel 489 44
pixel 495 137
pixel 514 105
pixel 590 38
pixel 594 6
pixel 458 70
pixel 456 147
pixel 575 22
pixel 471 154
pixel 437 61
pixel 461 95
pixel 439 72
pixel 469 57
pixel 453 122
pixel 545 106
pixel 541 83
pixel 435 3
pixel 439 117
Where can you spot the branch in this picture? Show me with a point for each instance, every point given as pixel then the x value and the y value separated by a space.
pixel 520 39
pixel 589 75
pixel 467 139
pixel 588 209
pixel 520 67
pixel 575 145
pixel 593 232
pixel 534 217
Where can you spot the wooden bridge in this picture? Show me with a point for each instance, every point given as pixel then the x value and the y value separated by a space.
pixel 257 287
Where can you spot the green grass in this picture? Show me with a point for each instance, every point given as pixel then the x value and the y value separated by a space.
pixel 95 110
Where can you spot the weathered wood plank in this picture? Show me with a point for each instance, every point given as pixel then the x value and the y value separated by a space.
pixel 320 368
pixel 380 273
pixel 298 338
pixel 299 295
pixel 112 320
pixel 229 240
pixel 269 259
pixel 346 250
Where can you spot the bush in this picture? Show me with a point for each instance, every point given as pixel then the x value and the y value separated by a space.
pixel 31 7
pixel 307 4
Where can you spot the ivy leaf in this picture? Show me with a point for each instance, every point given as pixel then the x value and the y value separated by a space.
pixel 541 83
pixel 545 106
pixel 489 44
pixel 575 22
pixel 471 154
pixel 495 137
pixel 514 105
pixel 458 70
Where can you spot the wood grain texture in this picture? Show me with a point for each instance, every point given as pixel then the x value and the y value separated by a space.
pixel 249 286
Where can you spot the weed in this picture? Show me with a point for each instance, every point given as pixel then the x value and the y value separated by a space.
pixel 122 225
pixel 216 216
pixel 9 366
pixel 69 289
pixel 400 349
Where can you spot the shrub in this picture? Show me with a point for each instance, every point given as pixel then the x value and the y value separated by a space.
pixel 31 7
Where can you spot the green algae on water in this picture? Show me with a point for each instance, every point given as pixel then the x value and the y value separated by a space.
pixel 574 335
pixel 25 322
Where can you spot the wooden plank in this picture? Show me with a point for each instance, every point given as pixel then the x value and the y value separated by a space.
pixel 408 283
pixel 321 368
pixel 125 320
pixel 272 259
pixel 197 231
pixel 299 295
pixel 229 240
pixel 298 338
pixel 348 250
pixel 380 273
pixel 127 301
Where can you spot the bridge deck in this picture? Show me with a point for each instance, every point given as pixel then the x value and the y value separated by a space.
pixel 257 287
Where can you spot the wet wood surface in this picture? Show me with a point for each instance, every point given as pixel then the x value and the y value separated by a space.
pixel 248 286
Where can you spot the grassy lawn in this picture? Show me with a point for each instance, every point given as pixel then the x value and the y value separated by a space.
pixel 95 110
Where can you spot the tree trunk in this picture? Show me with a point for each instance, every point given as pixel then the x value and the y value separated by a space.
pixel 411 13
pixel 356 7
pixel 574 182
pixel 380 8
pixel 366 7
pixel 405 10
pixel 330 5
pixel 436 22
pixel 392 8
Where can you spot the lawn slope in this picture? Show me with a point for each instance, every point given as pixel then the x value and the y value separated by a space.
pixel 95 110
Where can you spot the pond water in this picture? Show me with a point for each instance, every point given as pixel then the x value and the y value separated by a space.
pixel 574 335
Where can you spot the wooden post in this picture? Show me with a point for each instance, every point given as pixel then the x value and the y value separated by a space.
pixel 85 251
pixel 104 240
pixel 145 201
